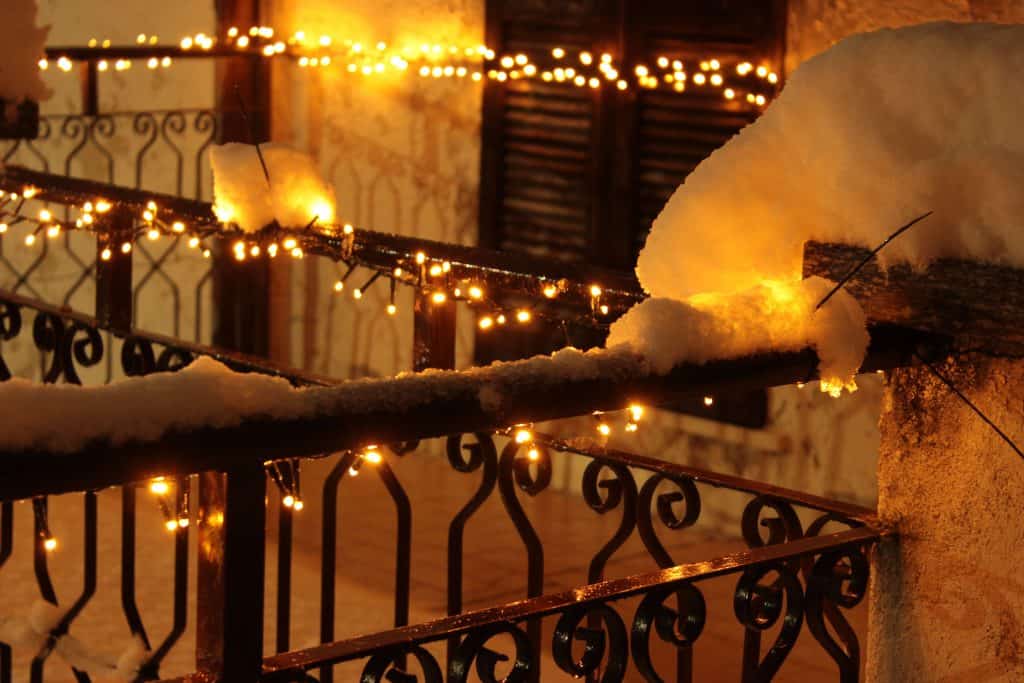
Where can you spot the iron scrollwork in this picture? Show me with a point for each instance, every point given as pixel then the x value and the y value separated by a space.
pixel 759 604
pixel 604 634
pixel 681 626
pixel 838 579
pixel 10 327
pixel 50 334
pixel 474 650
pixel 389 666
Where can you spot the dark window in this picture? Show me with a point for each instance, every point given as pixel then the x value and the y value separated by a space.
pixel 577 174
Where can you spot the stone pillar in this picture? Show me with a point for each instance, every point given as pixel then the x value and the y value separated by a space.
pixel 947 598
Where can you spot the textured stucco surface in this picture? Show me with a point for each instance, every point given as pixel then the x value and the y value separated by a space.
pixel 947 599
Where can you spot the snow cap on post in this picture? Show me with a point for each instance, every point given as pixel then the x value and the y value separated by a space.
pixel 874 131
pixel 295 195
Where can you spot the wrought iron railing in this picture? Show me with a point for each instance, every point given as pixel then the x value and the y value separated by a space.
pixel 797 567
pixel 792 572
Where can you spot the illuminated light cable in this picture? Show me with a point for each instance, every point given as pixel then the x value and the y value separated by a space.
pixel 358 292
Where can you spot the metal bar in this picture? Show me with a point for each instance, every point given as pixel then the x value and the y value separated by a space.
pixel 433 333
pixel 285 520
pixel 90 89
pixel 453 406
pixel 114 272
pixel 243 571
pixel 78 53
pixel 614 589
pixel 715 479
pixel 498 271
pixel 210 574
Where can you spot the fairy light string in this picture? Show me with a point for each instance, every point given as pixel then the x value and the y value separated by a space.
pixel 735 79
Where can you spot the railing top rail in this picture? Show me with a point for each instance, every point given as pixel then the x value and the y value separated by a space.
pixel 500 272
pixel 612 589
pixel 711 478
pixel 530 391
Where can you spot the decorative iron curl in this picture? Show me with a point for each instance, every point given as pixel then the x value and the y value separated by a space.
pixel 474 649
pixel 603 496
pixel 137 357
pixel 10 327
pixel 50 334
pixel 389 666
pixel 172 359
pixel 681 626
pixel 839 578
pixel 605 633
pixel 759 605
pixel 687 493
pixel 784 527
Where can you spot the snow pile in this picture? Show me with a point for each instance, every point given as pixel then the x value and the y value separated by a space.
pixel 22 44
pixel 34 632
pixel 296 194
pixel 773 316
pixel 208 394
pixel 877 130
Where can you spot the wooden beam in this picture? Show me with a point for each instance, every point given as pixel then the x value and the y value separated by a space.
pixel 978 305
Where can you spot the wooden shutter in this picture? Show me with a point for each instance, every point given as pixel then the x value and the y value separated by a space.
pixel 578 174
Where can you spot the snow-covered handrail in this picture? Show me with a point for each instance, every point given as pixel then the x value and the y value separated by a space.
pixel 66 438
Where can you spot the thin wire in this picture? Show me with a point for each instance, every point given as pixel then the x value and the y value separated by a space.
pixel 952 387
pixel 864 262
pixel 252 134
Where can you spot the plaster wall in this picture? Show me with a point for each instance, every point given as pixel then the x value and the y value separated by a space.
pixel 947 599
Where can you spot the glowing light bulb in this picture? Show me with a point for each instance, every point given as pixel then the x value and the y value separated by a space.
pixel 533 454
pixel 105 254
pixel 595 291
pixel 30 239
pixel 183 522
pixel 486 322
pixel 523 435
pixel 171 525
pixel 289 243
pixel 421 258
pixel 177 226
pixel 298 505
pixel 558 53
pixel 586 58
pixel 709 401
pixel 641 71
pixel 439 297
pixel 373 456
pixel 50 544
pixel 159 487
pixel 603 429
pixel 288 501
pixel 126 248
pixel 475 292
pixel 523 316
pixel 45 215
pixel 550 291
pixel 102 205
pixel 392 309
pixel 636 411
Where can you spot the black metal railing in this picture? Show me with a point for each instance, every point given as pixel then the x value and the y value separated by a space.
pixel 792 572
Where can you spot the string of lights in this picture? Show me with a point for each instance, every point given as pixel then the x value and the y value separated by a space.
pixel 734 79
pixel 450 273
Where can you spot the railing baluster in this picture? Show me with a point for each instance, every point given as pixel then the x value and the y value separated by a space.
pixel 229 615
pixel 512 472
pixel 403 541
pixel 328 550
pixel 284 576
pixel 482 454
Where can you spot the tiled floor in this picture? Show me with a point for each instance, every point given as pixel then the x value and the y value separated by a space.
pixel 495 569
